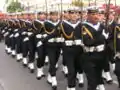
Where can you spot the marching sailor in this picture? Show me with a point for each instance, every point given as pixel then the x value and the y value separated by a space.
pixel 94 37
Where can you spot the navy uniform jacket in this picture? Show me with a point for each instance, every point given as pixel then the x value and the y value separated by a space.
pixel 110 41
pixel 50 31
pixel 93 35
pixel 116 38
pixel 71 30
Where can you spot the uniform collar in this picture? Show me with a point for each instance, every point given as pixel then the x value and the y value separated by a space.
pixel 54 23
pixel 96 26
pixel 71 24
pixel 42 22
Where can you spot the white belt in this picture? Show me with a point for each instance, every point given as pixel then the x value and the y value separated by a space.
pixel 9 29
pixel 25 39
pixel 98 48
pixel 69 42
pixel 60 39
pixel 30 33
pixel 16 30
pixel 11 35
pixel 78 42
pixel 16 35
pixel 44 35
pixel 6 34
pixel 5 27
pixel 23 33
pixel 51 40
pixel 3 31
pixel 39 36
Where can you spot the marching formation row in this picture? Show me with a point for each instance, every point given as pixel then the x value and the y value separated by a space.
pixel 87 42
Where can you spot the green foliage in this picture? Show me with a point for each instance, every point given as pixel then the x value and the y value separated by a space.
pixel 77 3
pixel 14 7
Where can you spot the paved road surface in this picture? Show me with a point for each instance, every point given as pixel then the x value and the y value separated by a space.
pixel 14 77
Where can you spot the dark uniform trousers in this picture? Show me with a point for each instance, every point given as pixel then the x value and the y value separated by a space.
pixel 63 62
pixel 41 56
pixel 117 69
pixel 13 40
pixel 32 48
pixel 53 52
pixel 8 40
pixel 19 41
pixel 92 64
pixel 25 48
pixel 110 48
pixel 19 44
pixel 71 56
pixel 109 58
pixel 41 51
pixel 117 52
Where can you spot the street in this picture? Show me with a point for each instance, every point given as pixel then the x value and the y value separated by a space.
pixel 13 76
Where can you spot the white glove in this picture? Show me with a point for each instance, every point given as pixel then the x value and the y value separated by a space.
pixel 16 30
pixel 17 34
pixel 44 35
pixel 3 31
pixel 69 43
pixel 39 44
pixel 39 36
pixel 6 34
pixel 11 35
pixel 30 33
pixel 26 39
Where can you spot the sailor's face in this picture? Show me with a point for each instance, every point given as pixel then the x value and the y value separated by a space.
pixel 42 16
pixel 54 17
pixel 25 16
pixel 74 16
pixel 66 16
pixel 93 17
pixel 101 17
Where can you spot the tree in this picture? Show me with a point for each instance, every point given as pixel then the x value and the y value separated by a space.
pixel 15 7
pixel 78 3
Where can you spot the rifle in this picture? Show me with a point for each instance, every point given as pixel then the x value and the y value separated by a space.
pixel 107 15
pixel 81 17
pixel 46 5
pixel 61 15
